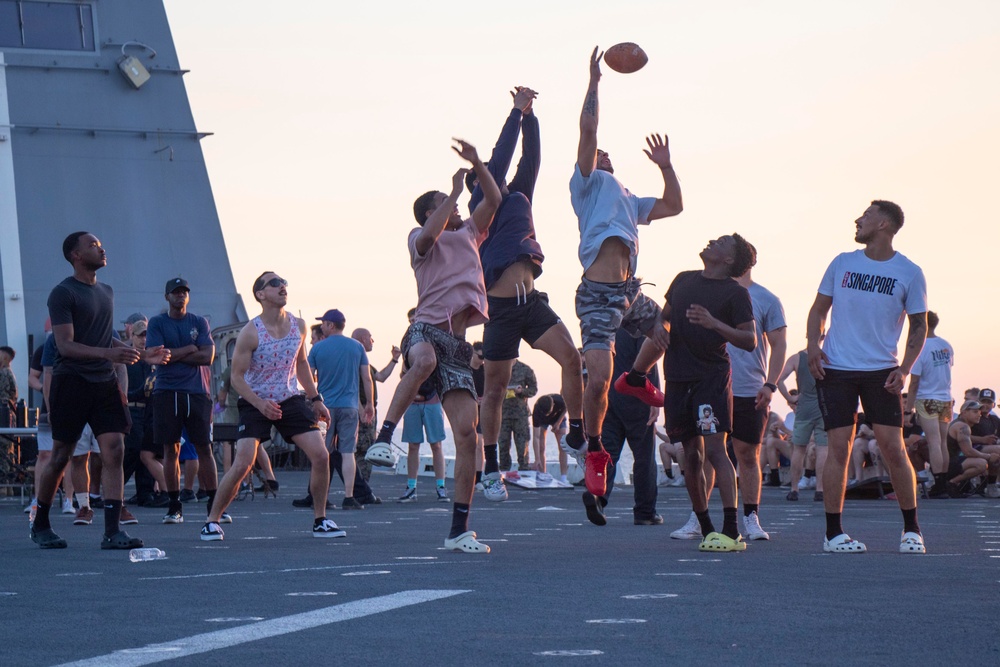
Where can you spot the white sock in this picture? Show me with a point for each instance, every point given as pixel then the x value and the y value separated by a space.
pixel 82 499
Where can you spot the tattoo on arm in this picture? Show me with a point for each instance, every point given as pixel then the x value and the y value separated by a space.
pixel 590 104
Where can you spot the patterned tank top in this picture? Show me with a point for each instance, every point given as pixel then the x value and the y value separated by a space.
pixel 272 365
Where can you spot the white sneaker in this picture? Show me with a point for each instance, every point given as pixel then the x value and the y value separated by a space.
pixel 753 529
pixel 812 482
pixel 912 543
pixel 543 478
pixel 67 506
pixel 803 483
pixel 579 455
pixel 493 487
pixel 34 505
pixel 992 491
pixel 678 481
pixel 689 531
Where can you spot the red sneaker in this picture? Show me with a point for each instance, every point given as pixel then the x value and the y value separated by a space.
pixel 648 394
pixel 596 475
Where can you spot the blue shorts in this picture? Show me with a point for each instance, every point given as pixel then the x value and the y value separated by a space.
pixel 423 419
pixel 188 452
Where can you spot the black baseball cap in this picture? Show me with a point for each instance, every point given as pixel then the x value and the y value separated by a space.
pixel 988 395
pixel 175 284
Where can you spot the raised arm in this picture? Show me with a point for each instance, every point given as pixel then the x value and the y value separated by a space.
pixel 383 375
pixel 531 156
pixel 438 219
pixel 483 214
pixel 503 151
pixel 670 203
pixel 586 152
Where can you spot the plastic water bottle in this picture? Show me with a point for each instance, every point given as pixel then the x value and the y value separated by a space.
pixel 139 555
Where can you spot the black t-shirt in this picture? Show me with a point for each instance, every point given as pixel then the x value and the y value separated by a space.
pixel 90 309
pixel 913 429
pixel 988 425
pixel 36 359
pixel 552 417
pixel 696 352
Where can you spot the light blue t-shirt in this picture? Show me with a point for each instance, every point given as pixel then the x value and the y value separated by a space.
pixel 750 368
pixel 606 209
pixel 337 361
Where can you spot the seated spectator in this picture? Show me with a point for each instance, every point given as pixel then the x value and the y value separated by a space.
pixel 867 463
pixel 986 437
pixel 965 461
pixel 777 443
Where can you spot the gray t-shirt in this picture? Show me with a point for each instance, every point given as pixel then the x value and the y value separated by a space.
pixel 750 368
pixel 90 309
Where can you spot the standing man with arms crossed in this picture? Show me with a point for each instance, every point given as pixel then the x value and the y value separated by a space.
pixel 869 291
pixel 269 357
pixel 512 259
pixel 755 377
pixel 444 254
pixel 609 296
pixel 181 397
pixel 85 388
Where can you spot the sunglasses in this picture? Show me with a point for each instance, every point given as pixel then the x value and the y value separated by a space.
pixel 141 335
pixel 273 282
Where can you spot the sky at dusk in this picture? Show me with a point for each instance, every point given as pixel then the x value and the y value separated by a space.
pixel 785 120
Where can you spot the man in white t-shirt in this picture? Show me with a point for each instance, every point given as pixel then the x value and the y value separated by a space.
pixel 930 396
pixel 869 291
pixel 609 297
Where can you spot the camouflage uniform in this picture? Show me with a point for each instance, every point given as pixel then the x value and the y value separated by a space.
pixel 366 432
pixel 514 416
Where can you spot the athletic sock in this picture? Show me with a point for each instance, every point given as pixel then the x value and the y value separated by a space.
pixel 668 471
pixel 575 438
pixel 479 476
pixel 635 379
pixel 833 526
pixel 810 473
pixel 112 515
pixel 991 479
pixel 491 454
pixel 706 523
pixel 459 520
pixel 42 517
pixel 82 499
pixel 594 444
pixel 729 527
pixel 774 478
pixel 175 502
pixel 910 521
pixel 440 483
pixel 749 507
pixel 411 483
pixel 211 497
pixel 385 433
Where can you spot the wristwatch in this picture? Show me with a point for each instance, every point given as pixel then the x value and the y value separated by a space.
pixel 772 387
pixel 318 398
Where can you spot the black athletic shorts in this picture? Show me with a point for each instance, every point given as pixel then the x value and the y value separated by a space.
pixel 141 436
pixel 748 421
pixel 699 407
pixel 176 411
pixel 955 467
pixel 839 392
pixel 74 403
pixel 297 417
pixel 514 318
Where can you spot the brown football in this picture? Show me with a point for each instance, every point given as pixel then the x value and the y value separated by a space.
pixel 625 57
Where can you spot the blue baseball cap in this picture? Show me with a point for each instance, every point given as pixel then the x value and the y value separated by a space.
pixel 333 315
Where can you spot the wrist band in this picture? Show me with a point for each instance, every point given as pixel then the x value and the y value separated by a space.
pixel 772 387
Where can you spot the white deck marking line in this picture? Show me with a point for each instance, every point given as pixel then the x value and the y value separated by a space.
pixel 275 627
pixel 286 570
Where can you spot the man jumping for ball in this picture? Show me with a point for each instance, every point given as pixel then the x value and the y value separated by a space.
pixel 609 296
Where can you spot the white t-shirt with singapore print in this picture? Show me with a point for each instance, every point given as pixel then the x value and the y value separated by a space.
pixel 870 302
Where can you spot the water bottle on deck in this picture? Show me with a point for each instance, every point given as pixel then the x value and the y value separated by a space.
pixel 140 555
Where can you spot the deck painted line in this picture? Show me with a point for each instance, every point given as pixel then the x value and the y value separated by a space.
pixel 212 641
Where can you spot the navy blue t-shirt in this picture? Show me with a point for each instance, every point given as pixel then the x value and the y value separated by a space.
pixel 188 330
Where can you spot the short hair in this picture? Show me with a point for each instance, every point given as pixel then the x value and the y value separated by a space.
pixel 744 256
pixel 423 205
pixel 316 328
pixel 478 346
pixel 891 211
pixel 8 349
pixel 545 403
pixel 972 390
pixel 70 243
pixel 258 285
pixel 932 319
pixel 470 180
pixel 411 312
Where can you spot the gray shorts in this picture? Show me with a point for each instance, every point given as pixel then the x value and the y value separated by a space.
pixel 87 443
pixel 808 424
pixel 44 434
pixel 344 427
pixel 453 357
pixel 603 308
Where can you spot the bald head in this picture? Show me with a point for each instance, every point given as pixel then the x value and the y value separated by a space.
pixel 364 337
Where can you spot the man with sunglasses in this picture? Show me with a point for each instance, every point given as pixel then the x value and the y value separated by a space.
pixel 444 254
pixel 269 358
pixel 181 399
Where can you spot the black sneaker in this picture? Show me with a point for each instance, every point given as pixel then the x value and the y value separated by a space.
pixel 655 520
pixel 120 540
pixel 595 508
pixel 201 496
pixel 351 504
pixel 188 496
pixel 158 500
pixel 303 502
pixel 793 495
pixel 212 532
pixel 370 500
pixel 326 528
pixel 47 539
pixel 96 503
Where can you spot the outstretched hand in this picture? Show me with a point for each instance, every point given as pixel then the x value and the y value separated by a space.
pixel 523 97
pixel 595 64
pixel 458 182
pixel 659 150
pixel 465 150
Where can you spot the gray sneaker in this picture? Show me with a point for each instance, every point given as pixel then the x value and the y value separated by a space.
pixel 493 487
pixel 409 497
pixel 689 531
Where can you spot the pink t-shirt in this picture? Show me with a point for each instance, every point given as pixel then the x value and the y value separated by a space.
pixel 450 276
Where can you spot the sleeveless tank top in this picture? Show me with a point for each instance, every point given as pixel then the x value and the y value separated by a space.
pixel 954 451
pixel 272 365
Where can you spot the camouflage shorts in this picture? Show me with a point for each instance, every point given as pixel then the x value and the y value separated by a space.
pixel 453 357
pixel 603 308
